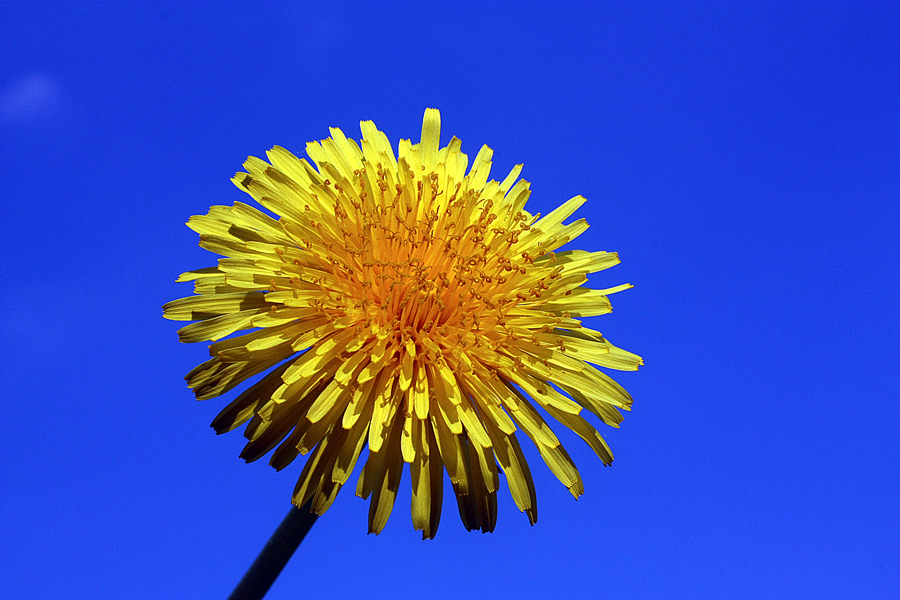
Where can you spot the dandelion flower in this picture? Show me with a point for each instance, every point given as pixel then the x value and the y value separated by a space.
pixel 400 303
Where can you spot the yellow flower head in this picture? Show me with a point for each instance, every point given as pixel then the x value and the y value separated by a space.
pixel 405 306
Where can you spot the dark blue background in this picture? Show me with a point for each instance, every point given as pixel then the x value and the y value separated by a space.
pixel 742 159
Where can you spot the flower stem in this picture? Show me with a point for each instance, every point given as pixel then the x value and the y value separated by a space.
pixel 275 554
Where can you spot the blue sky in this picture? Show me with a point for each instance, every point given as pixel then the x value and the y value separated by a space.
pixel 741 158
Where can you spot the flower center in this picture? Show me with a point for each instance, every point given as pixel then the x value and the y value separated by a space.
pixel 404 265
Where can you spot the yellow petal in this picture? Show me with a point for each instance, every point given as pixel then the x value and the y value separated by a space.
pixel 586 432
pixel 431 137
pixel 352 445
pixel 518 475
pixel 386 492
pixel 410 437
pixel 420 392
